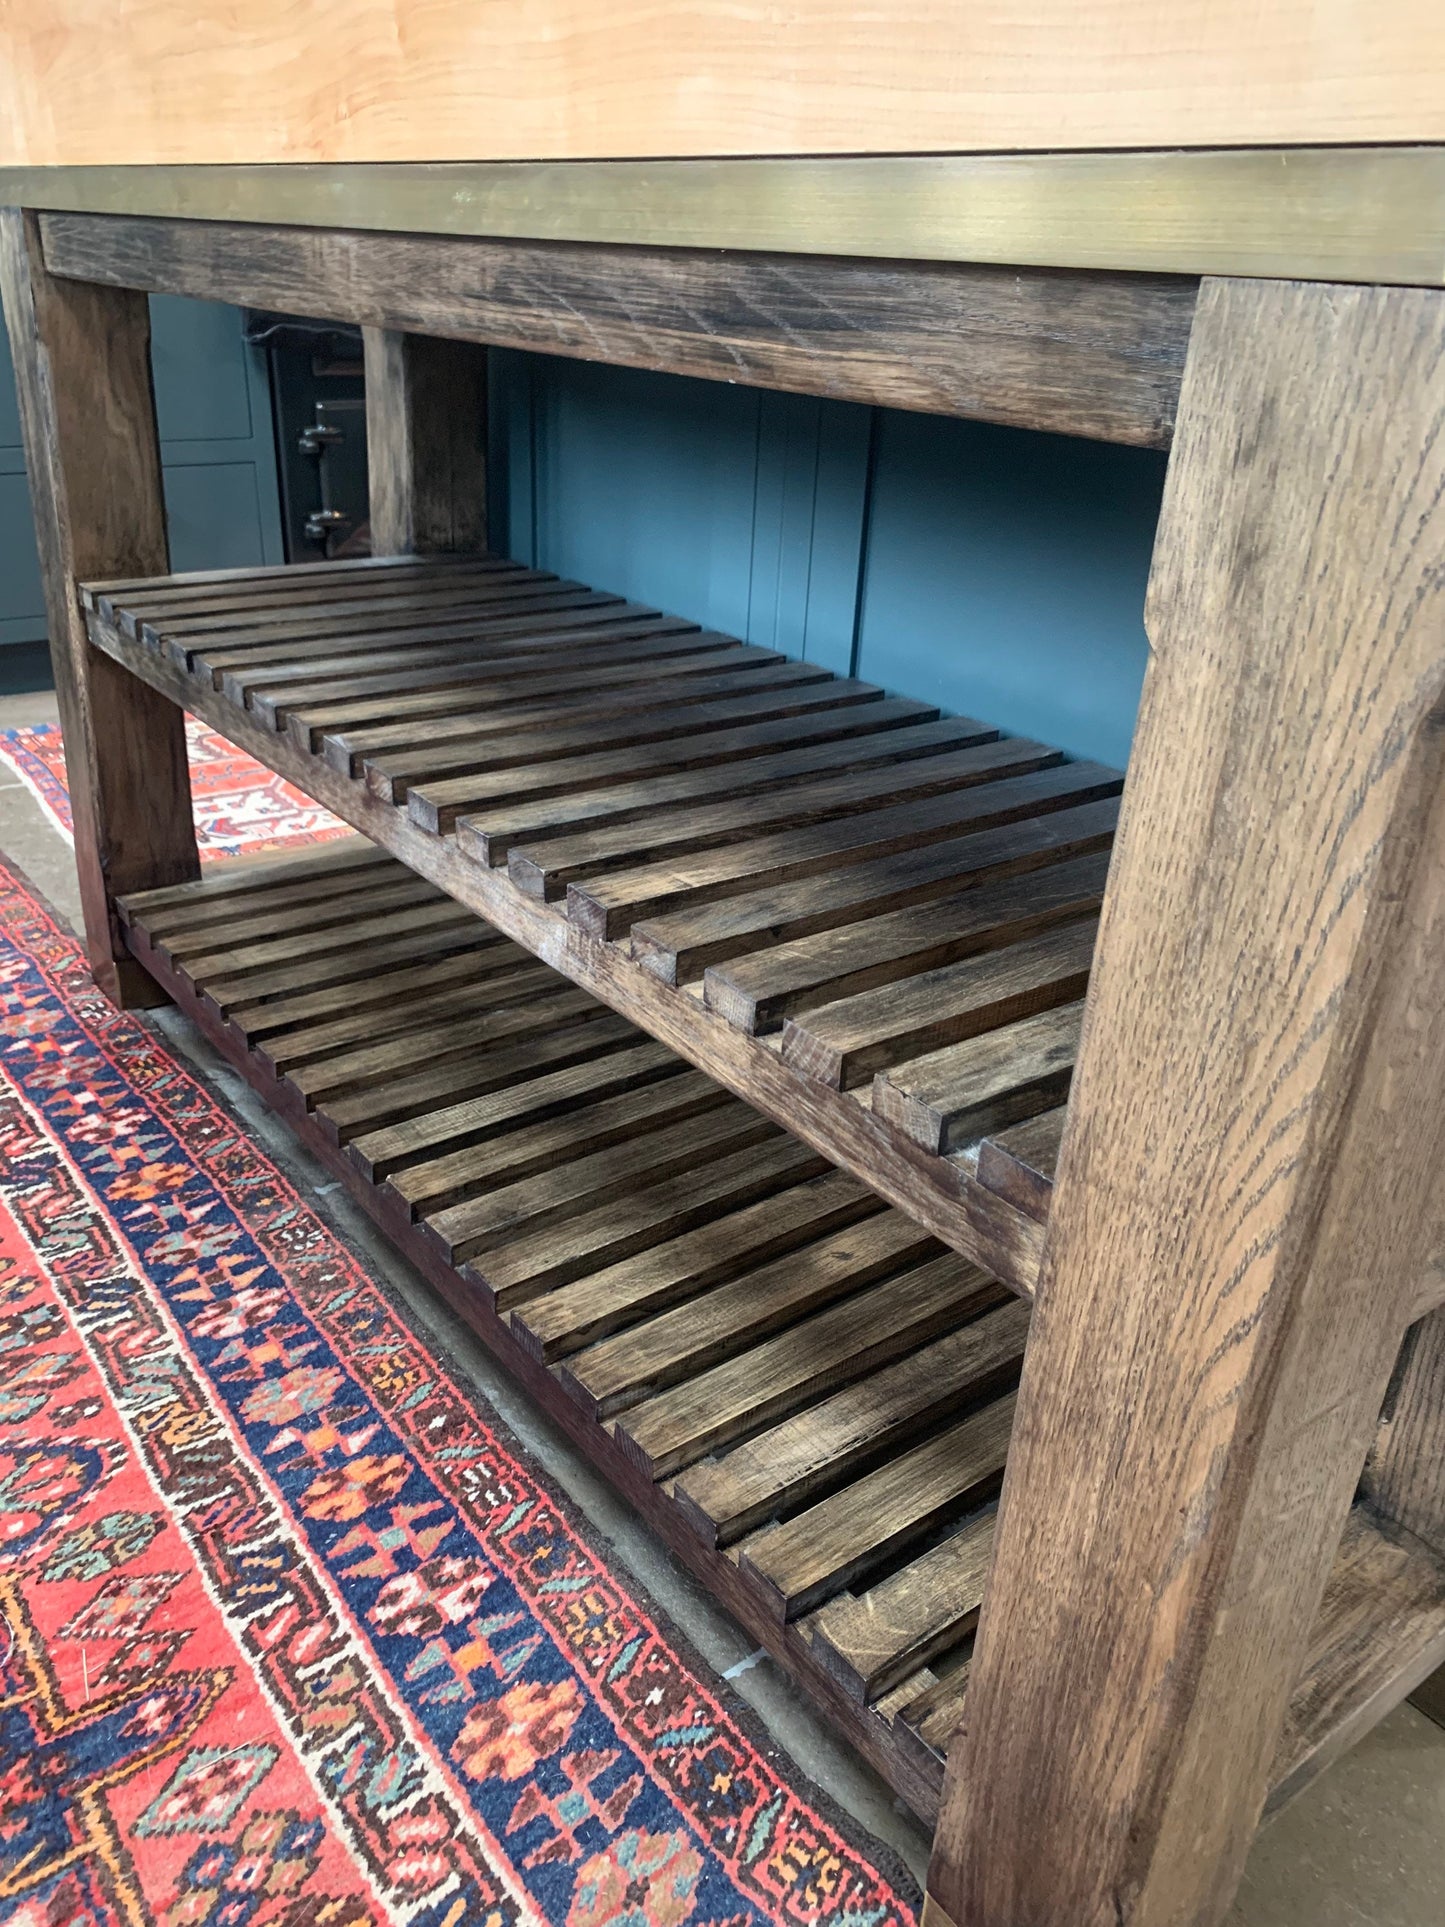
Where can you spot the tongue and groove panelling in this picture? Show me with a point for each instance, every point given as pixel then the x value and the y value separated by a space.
pixel 991 570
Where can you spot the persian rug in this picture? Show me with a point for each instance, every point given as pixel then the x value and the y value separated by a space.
pixel 292 1631
pixel 239 804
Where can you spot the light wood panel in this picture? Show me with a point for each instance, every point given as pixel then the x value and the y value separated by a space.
pixel 430 80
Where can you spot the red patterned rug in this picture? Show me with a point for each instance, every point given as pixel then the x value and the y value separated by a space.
pixel 292 1631
pixel 239 804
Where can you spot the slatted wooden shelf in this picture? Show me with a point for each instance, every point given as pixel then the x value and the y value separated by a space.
pixel 806 1393
pixel 873 922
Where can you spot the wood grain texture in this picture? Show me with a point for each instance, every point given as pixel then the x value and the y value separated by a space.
pixel 1379 1633
pixel 87 418
pixel 1255 1121
pixel 436 80
pixel 939 1193
pixel 1079 353
pixel 426 437
pixel 235 894
pixel 1381 1620
pixel 1405 1473
pixel 1020 1161
pixel 874 1639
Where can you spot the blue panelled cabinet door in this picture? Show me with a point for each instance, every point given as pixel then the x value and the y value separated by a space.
pixel 214 408
pixel 994 571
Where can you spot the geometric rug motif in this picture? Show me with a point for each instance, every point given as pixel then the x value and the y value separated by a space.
pixel 239 805
pixel 293 1631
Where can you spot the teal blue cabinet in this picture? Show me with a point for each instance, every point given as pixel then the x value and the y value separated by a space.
pixel 218 448
pixel 991 570
pixel 214 409
pixel 22 608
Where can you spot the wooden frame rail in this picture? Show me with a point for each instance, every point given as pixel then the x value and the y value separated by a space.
pixel 1075 352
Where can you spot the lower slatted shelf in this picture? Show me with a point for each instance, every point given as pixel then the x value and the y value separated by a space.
pixel 873 922
pixel 809 1396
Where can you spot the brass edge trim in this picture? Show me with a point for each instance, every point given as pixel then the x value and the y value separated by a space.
pixel 1350 214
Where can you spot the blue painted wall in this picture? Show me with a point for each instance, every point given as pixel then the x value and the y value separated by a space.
pixel 213 405
pixel 994 571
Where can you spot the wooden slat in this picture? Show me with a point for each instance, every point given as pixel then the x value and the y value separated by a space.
pixel 246 874
pixel 325 910
pixel 545 1009
pixel 790 1463
pixel 284 593
pixel 875 1639
pixel 239 958
pixel 1019 1161
pixel 474 1075
pixel 449 680
pixel 497 744
pixel 399 739
pixel 436 806
pixel 956 1095
pixel 928 1721
pixel 94 593
pixel 307 618
pixel 475 957
pixel 458 1001
pixel 680 947
pixel 533 1263
pixel 339 893
pixel 893 999
pixel 310 723
pixel 537 1146
pixel 519 647
pixel 847 1341
pixel 730 802
pixel 695 1336
pixel 382 1152
pixel 807 1558
pixel 373 637
pixel 249 990
pixel 942 797
pixel 588 1311
pixel 569 1188
pixel 1380 1631
pixel 693 828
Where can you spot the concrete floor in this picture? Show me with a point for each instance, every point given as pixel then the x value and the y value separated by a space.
pixel 1362 1847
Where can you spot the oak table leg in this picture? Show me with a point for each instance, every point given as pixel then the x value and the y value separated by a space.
pixel 426 422
pixel 1237 1229
pixel 87 417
